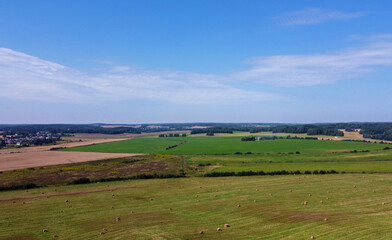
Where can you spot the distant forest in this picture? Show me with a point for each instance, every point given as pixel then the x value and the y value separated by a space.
pixel 381 131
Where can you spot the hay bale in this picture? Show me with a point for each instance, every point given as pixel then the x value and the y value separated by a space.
pixel 383 203
pixel 310 195
pixel 201 232
pixel 111 207
pixel 238 205
pixel 327 198
pixel 112 195
pixel 321 201
pixel 151 199
pixel 374 190
pixel 66 201
pixel 196 196
pixel 312 237
pixel 23 202
pixel 226 225
pixel 255 200
pixel 257 190
pixel 105 229
pixel 69 206
pixel 170 209
pixel 325 219
pixel 45 230
pixel 198 200
pixel 219 229
pixel 101 233
pixel 117 219
pixel 132 212
pixel 55 236
pixel 305 203
pixel 290 190
pixel 270 194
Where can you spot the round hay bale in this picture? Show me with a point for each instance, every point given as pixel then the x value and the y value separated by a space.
pixel 45 230
pixel 151 199
pixel 305 203
pixel 383 203
pixel 196 196
pixel 198 200
pixel 290 190
pixel 226 225
pixel 310 195
pixel 112 195
pixel 255 200
pixel 170 209
pixel 117 219
pixel 105 229
pixel 312 237
pixel 325 219
pixel 23 202
pixel 238 205
pixel 321 201
pixel 257 190
pixel 327 198
pixel 201 232
pixel 374 190
pixel 69 206
pixel 66 201
pixel 101 233
pixel 270 194
pixel 55 236
pixel 111 207
pixel 219 229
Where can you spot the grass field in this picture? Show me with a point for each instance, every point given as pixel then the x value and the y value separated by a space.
pixel 353 210
pixel 225 145
pixel 219 153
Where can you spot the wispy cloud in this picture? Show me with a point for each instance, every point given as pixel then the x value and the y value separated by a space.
pixel 309 70
pixel 312 16
pixel 26 77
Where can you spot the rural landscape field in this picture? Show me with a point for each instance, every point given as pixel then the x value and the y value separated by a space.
pixel 193 186
pixel 183 120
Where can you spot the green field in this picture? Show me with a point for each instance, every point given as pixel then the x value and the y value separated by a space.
pixel 225 145
pixel 230 154
pixel 353 210
pixel 354 205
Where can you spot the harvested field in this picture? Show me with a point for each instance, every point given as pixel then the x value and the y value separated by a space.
pixel 20 160
pixel 349 213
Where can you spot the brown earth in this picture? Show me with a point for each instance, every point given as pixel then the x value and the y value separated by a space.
pixel 27 159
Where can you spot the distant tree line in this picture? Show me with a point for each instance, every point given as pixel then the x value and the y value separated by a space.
pixel 309 130
pixel 172 135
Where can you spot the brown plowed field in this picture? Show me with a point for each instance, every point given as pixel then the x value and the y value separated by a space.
pixel 22 160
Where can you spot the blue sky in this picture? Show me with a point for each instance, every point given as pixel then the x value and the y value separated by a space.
pixel 195 61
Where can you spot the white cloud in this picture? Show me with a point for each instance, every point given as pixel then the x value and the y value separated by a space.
pixel 309 70
pixel 311 16
pixel 26 77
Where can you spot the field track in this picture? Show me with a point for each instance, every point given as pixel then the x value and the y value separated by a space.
pixel 66 193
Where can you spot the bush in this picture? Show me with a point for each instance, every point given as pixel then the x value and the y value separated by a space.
pixel 81 181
